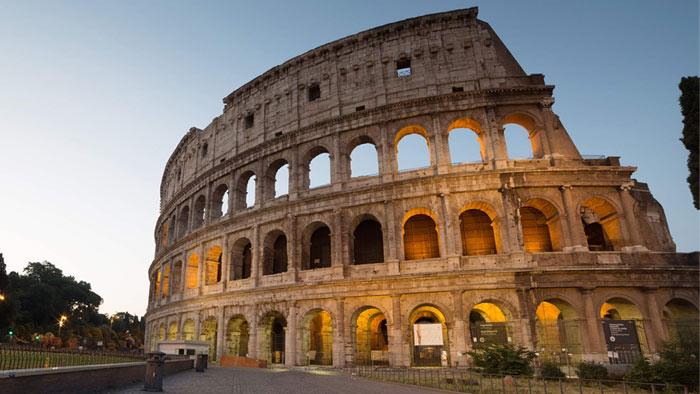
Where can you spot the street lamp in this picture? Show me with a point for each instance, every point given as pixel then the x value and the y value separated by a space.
pixel 61 323
pixel 2 297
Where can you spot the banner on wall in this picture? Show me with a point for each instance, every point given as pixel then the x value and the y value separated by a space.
pixel 427 334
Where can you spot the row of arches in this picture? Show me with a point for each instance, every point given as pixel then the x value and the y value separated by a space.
pixel 412 150
pixel 479 233
pixel 558 330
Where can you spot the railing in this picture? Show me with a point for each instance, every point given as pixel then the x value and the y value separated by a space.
pixel 467 381
pixel 23 357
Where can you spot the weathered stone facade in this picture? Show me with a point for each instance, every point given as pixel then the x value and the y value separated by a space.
pixel 542 249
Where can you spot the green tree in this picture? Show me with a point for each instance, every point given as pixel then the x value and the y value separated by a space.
pixel 689 87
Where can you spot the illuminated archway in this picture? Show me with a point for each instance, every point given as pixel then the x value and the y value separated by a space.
pixel 541 226
pixel 188 329
pixel 371 337
pixel 237 335
pixel 420 236
pixel 622 315
pixel 488 324
pixel 212 274
pixel 172 331
pixel 192 271
pixel 477 233
pixel 317 338
pixel 557 331
pixel 208 334
pixel 429 337
pixel 273 344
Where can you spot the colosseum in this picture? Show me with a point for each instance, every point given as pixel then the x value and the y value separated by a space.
pixel 562 253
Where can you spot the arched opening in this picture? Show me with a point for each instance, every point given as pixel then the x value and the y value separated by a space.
pixel 557 331
pixel 623 330
pixel 245 191
pixel 368 242
pixel 275 253
pixel 274 327
pixel 601 225
pixel 541 227
pixel 219 206
pixel 192 271
pixel 371 337
pixel 156 284
pixel 241 260
pixel 521 138
pixel 363 160
pixel 317 338
pixel 320 169
pixel 172 331
pixel 237 335
pixel 177 277
pixel 477 233
pixel 208 334
pixel 212 266
pixel 277 183
pixel 681 321
pixel 188 330
pixel 465 142
pixel 318 247
pixel 182 221
pixel 412 149
pixel 488 324
pixel 518 143
pixel 429 337
pixel 165 285
pixel 420 238
pixel 200 206
pixel 161 332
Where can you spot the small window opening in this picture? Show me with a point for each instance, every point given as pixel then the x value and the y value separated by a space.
pixel 249 120
pixel 205 148
pixel 314 92
pixel 457 89
pixel 403 68
pixel 278 134
pixel 360 108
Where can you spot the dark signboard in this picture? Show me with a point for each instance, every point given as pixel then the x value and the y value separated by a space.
pixel 487 333
pixel 621 335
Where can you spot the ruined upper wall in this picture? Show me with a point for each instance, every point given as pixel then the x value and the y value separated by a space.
pixel 447 51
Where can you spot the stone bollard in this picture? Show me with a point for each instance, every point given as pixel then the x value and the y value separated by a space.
pixel 155 366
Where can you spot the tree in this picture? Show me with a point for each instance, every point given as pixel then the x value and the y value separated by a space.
pixel 689 87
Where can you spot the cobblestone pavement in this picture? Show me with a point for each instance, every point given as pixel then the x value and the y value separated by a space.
pixel 266 381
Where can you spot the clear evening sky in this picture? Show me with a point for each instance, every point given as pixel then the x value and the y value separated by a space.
pixel 95 95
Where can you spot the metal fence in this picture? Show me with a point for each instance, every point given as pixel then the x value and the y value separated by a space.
pixel 467 381
pixel 23 357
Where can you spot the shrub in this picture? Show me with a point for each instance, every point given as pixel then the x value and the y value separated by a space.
pixel 591 370
pixel 678 364
pixel 549 369
pixel 504 359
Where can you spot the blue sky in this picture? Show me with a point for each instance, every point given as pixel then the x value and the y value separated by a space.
pixel 95 95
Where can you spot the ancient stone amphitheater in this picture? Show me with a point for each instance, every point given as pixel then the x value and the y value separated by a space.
pixel 558 252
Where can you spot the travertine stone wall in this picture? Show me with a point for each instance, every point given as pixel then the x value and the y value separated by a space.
pixel 461 76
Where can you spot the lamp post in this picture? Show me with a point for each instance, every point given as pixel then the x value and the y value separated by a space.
pixel 2 297
pixel 61 323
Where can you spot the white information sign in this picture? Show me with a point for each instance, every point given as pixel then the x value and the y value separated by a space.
pixel 427 334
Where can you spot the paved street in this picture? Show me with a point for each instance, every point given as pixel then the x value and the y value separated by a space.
pixel 264 381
